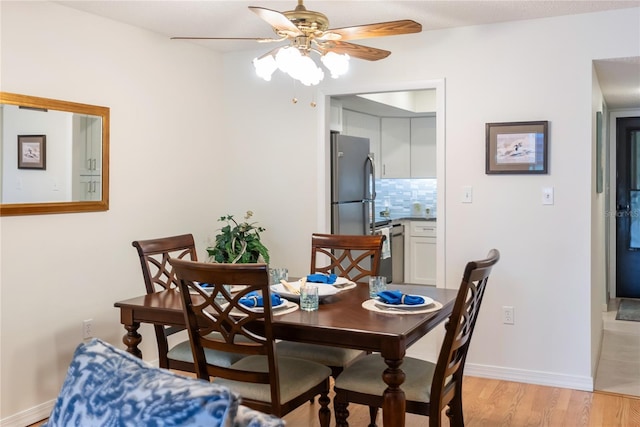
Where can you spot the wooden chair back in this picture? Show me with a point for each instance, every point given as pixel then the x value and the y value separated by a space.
pixel 154 259
pixel 158 275
pixel 352 256
pixel 447 378
pixel 220 311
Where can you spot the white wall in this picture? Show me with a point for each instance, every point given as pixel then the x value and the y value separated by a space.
pixel 53 184
pixel 598 235
pixel 521 71
pixel 195 136
pixel 167 152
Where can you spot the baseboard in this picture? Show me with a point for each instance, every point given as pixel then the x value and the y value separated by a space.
pixel 529 377
pixel 30 416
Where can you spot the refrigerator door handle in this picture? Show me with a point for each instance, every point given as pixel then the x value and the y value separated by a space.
pixel 372 195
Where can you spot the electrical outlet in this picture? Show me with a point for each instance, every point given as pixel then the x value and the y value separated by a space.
pixel 507 315
pixel 87 329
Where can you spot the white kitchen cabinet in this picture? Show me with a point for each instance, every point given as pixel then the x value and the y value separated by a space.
pixel 365 126
pixel 421 253
pixel 87 141
pixel 87 160
pixel 402 147
pixel 395 147
pixel 423 147
pixel 88 188
pixel 408 147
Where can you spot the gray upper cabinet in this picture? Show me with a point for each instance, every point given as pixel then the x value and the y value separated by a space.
pixel 423 147
pixel 395 144
pixel 365 126
pixel 403 147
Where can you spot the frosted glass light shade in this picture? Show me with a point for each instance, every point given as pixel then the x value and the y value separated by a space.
pixel 300 66
pixel 337 64
pixel 265 66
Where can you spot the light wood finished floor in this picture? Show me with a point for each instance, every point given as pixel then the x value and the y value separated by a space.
pixel 495 403
pixel 619 364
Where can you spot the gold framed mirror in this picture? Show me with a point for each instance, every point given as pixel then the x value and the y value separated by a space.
pixel 54 156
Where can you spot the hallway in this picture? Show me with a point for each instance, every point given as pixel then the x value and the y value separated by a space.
pixel 619 365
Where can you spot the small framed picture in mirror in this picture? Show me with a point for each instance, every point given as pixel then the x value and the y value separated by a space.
pixel 32 151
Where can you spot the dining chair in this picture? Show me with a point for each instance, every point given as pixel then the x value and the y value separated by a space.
pixel 355 257
pixel 428 387
pixel 158 275
pixel 265 380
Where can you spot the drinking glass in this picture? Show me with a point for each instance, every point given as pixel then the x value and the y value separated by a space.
pixel 309 300
pixel 278 273
pixel 377 284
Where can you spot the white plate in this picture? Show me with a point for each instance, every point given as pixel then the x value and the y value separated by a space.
pixel 343 283
pixel 340 283
pixel 427 301
pixel 283 304
pixel 323 290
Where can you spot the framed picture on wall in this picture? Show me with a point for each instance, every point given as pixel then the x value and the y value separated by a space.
pixel 32 151
pixel 517 148
pixel 599 162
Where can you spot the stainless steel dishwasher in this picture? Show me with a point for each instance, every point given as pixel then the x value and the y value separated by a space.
pixel 397 253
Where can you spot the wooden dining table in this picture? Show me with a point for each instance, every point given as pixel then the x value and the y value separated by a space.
pixel 340 321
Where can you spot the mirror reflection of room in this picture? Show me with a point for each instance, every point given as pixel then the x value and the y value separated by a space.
pixel 73 153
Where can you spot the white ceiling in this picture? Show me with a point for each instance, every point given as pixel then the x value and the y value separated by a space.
pixel 620 79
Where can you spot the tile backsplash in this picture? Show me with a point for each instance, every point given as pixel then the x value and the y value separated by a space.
pixel 400 195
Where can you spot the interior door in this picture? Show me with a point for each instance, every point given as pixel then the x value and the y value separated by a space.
pixel 628 208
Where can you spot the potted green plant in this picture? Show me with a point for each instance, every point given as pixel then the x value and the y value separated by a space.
pixel 238 242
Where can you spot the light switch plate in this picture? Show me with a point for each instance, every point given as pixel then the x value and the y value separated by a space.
pixel 547 195
pixel 467 194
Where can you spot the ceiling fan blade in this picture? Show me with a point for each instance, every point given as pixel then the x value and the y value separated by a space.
pixel 277 20
pixel 257 39
pixel 381 29
pixel 356 50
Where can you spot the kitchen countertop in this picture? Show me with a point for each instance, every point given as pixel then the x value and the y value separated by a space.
pixel 415 218
pixel 380 221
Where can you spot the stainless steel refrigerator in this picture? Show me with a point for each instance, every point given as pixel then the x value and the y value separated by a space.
pixel 352 185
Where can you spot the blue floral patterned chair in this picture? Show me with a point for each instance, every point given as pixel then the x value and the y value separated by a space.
pixel 106 386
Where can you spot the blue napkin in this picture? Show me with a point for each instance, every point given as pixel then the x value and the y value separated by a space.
pixel 397 297
pixel 254 299
pixel 329 279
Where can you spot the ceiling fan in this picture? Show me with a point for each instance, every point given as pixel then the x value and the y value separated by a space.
pixel 308 31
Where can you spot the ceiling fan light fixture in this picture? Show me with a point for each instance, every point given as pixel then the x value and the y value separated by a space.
pixel 292 61
pixel 298 64
pixel 336 63
pixel 308 31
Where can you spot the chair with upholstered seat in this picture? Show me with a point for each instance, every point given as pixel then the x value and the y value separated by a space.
pixel 158 275
pixel 265 380
pixel 350 256
pixel 428 387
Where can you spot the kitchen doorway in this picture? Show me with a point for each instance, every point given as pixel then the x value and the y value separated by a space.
pixel 386 91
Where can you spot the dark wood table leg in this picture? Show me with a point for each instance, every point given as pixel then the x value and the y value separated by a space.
pixel 394 402
pixel 132 338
